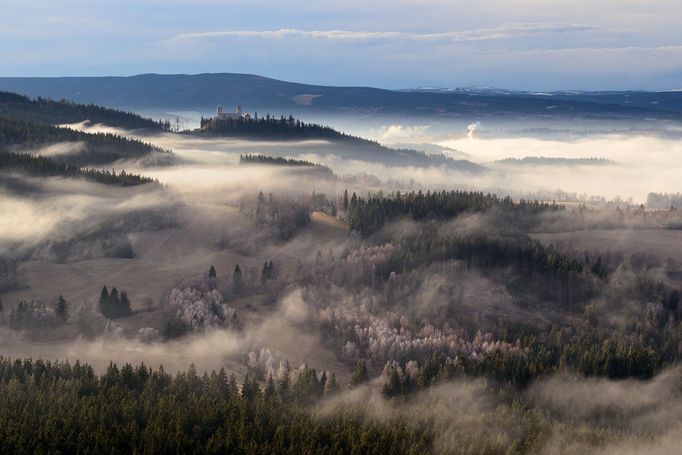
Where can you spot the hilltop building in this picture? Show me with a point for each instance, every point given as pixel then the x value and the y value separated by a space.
pixel 237 114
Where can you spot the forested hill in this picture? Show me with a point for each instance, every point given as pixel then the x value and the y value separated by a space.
pixel 41 166
pixel 269 127
pixel 283 128
pixel 42 110
pixel 80 148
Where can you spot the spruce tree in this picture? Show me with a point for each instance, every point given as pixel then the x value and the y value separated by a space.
pixel 360 375
pixel 264 274
pixel 104 297
pixel 332 386
pixel 114 299
pixel 238 280
pixel 124 305
pixel 62 309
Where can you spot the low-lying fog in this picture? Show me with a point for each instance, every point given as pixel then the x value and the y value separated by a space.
pixel 639 162
pixel 68 234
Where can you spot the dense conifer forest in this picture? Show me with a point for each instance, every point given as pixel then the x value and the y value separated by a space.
pixel 53 112
pixel 59 407
pixel 367 215
pixel 41 166
pixel 98 148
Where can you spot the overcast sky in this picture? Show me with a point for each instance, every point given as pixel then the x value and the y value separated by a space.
pixel 517 44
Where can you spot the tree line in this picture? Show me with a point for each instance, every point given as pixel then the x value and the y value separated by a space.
pixel 368 215
pixel 43 166
pixel 663 200
pixel 272 127
pixel 280 161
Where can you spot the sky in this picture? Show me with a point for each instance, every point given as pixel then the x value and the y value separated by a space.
pixel 515 44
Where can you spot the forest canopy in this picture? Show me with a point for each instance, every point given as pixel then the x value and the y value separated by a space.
pixel 53 112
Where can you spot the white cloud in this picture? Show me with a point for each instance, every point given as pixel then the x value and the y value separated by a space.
pixel 483 34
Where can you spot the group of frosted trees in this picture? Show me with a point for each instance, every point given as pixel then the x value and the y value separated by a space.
pixel 196 306
pixel 283 216
pixel 303 384
pixel 30 314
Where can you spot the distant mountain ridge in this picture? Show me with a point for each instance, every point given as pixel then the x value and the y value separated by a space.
pixel 665 100
pixel 204 91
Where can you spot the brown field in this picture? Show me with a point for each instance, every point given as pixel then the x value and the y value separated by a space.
pixel 161 258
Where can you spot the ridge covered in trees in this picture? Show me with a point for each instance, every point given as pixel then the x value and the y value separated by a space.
pixel 98 148
pixel 289 128
pixel 52 112
pixel 280 161
pixel 42 166
pixel 271 127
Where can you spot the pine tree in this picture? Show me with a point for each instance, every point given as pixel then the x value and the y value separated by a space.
pixel 250 389
pixel 322 383
pixel 62 309
pixel 360 375
pixel 332 386
pixel 124 305
pixel 114 299
pixel 237 280
pixel 104 297
pixel 232 389
pixel 264 275
pixel 270 390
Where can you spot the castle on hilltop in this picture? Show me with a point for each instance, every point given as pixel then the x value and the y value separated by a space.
pixel 237 114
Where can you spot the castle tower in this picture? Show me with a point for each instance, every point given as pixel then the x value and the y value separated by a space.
pixel 239 111
pixel 219 111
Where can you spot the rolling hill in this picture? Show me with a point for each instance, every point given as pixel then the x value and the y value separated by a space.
pixel 204 91
pixel 32 125
pixel 49 111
